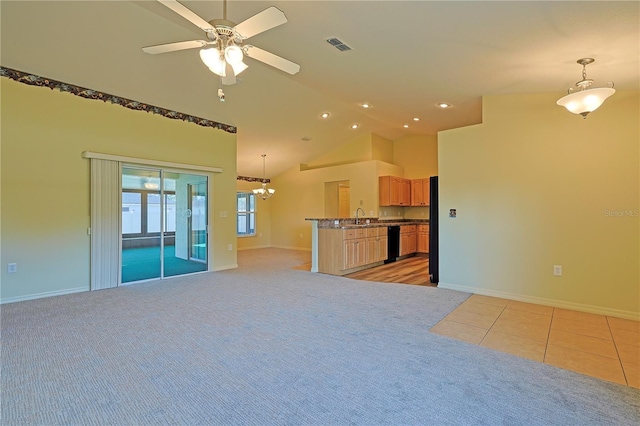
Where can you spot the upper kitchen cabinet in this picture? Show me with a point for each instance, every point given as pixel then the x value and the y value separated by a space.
pixel 394 191
pixel 420 192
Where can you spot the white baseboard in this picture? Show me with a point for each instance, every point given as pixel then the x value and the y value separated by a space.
pixel 544 301
pixel 253 247
pixel 225 267
pixel 292 248
pixel 44 294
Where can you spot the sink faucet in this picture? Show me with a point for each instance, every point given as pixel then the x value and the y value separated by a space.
pixel 363 214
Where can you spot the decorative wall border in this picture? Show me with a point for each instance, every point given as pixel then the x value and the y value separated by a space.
pixel 36 80
pixel 253 179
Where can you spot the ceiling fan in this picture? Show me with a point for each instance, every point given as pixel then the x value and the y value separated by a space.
pixel 223 50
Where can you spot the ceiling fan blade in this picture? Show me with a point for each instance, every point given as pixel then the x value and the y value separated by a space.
pixel 271 59
pixel 171 47
pixel 188 15
pixel 263 21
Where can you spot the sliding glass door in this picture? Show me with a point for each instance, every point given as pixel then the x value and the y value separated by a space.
pixel 186 249
pixel 159 236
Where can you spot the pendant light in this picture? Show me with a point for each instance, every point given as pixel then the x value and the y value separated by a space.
pixel 264 192
pixel 585 100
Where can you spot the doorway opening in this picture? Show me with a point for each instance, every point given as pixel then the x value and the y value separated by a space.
pixel 337 199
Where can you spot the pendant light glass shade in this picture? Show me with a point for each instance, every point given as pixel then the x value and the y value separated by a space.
pixel 585 100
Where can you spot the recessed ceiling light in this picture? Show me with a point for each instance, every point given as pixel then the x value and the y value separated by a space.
pixel 305 139
pixel 444 105
pixel 416 119
pixel 406 126
pixel 324 115
pixel 365 105
pixel 355 125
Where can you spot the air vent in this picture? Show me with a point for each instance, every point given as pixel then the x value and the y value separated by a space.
pixel 338 44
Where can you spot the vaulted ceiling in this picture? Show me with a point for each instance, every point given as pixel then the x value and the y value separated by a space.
pixel 406 56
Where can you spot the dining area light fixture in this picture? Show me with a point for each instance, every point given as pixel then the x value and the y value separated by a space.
pixel 264 192
pixel 586 99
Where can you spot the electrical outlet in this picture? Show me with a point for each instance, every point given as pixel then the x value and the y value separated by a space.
pixel 300 236
pixel 230 247
pixel 260 234
pixel 557 270
pixel 12 268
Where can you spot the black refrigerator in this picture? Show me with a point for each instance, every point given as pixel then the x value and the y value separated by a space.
pixel 433 230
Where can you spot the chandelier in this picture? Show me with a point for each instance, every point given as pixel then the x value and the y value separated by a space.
pixel 585 100
pixel 264 192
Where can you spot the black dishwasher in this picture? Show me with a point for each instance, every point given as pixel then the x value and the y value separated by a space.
pixel 393 243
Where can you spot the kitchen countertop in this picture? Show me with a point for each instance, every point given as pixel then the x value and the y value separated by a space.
pixel 349 223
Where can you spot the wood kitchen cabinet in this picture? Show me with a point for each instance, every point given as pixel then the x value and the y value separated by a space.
pixel 394 191
pixel 342 251
pixel 408 239
pixel 420 192
pixel 423 238
pixel 376 244
pixel 355 252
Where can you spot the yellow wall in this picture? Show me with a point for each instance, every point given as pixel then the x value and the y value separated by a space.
pixel 381 149
pixel 45 182
pixel 536 186
pixel 417 154
pixel 300 195
pixel 356 150
pixel 263 219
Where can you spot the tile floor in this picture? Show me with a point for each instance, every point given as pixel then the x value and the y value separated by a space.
pixel 595 345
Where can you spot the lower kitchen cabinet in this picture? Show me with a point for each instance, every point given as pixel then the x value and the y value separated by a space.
pixel 423 238
pixel 355 253
pixel 342 251
pixel 408 239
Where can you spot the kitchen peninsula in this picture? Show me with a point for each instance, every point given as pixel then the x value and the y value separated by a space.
pixel 341 246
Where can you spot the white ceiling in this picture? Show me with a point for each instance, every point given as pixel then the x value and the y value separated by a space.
pixel 406 57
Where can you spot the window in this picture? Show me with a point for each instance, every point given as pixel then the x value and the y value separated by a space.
pixel 246 203
pixel 141 213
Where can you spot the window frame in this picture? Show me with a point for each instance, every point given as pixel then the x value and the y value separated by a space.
pixel 247 213
pixel 144 211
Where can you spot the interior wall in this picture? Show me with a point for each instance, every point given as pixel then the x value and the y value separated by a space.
pixel 356 150
pixel 536 186
pixel 262 238
pixel 300 195
pixel 45 181
pixel 418 156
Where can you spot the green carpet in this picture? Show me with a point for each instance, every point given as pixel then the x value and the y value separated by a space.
pixel 144 264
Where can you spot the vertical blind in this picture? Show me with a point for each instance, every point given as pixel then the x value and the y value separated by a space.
pixel 105 223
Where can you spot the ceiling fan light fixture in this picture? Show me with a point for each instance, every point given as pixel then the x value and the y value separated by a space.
pixel 233 54
pixel 212 59
pixel 239 67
